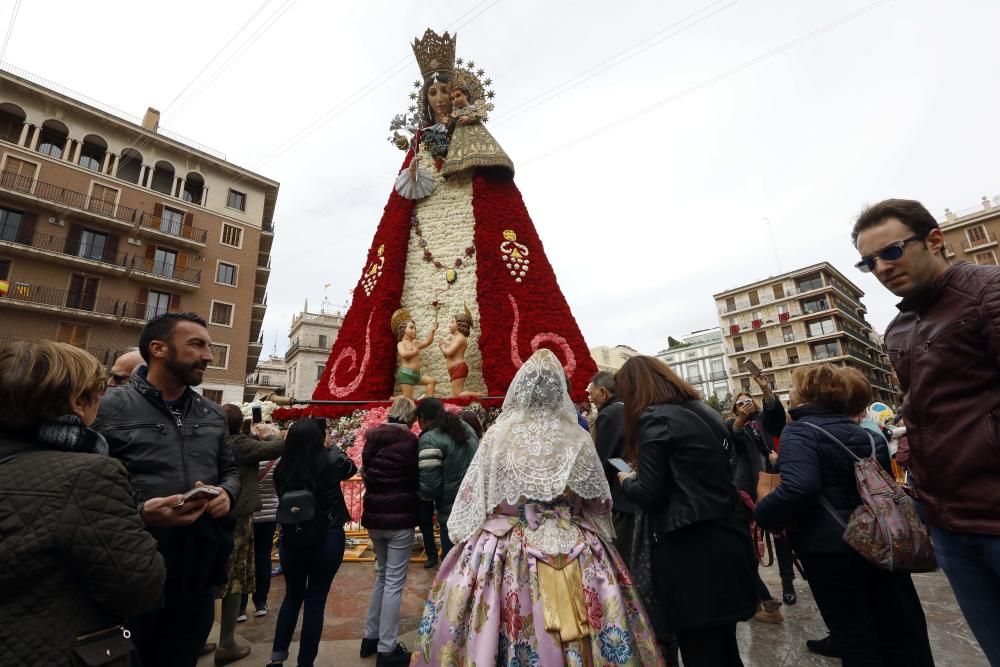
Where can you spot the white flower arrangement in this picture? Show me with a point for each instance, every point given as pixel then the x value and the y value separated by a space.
pixel 266 408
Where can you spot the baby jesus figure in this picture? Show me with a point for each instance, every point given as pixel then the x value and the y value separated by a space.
pixel 472 145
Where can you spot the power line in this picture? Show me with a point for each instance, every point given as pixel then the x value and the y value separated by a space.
pixel 707 82
pixel 10 28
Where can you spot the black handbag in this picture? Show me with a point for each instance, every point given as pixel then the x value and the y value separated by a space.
pixel 295 507
pixel 111 647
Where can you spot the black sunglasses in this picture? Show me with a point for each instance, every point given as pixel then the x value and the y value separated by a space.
pixel 891 253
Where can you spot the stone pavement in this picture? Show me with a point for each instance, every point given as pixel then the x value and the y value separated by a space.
pixel 761 645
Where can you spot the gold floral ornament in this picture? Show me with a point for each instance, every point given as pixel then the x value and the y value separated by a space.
pixel 373 272
pixel 514 255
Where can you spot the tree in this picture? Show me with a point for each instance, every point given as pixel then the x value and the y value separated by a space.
pixel 723 407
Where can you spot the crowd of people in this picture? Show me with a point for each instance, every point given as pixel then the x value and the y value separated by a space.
pixel 130 504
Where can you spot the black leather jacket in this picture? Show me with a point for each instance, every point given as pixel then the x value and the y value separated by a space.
pixel 609 438
pixel 164 455
pixel 683 472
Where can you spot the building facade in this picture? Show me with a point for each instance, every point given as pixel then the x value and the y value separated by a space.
pixel 270 377
pixel 609 358
pixel 310 340
pixel 972 236
pixel 106 222
pixel 811 315
pixel 701 360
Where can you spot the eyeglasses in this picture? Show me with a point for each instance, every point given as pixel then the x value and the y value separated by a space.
pixel 891 253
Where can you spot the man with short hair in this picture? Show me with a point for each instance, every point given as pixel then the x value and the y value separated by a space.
pixel 945 346
pixel 609 439
pixel 171 440
pixel 122 369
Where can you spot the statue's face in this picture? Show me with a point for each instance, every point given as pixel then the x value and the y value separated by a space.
pixel 439 99
pixel 458 99
pixel 411 331
pixel 453 327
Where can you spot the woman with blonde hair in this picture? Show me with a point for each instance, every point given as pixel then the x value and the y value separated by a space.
pixel 77 562
pixel 874 615
pixel 692 556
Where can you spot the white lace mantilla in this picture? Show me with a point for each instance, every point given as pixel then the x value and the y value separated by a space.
pixel 536 450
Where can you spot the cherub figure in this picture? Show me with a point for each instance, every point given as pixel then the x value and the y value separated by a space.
pixel 408 348
pixel 454 353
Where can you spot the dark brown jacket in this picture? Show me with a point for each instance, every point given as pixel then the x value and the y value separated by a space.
pixel 74 557
pixel 389 468
pixel 945 346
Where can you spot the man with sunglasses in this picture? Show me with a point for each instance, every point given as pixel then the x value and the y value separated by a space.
pixel 945 346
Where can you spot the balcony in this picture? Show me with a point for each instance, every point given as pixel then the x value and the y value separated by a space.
pixel 174 230
pixel 971 245
pixel 164 273
pixel 694 379
pixel 64 250
pixel 32 189
pixel 717 375
pixel 38 297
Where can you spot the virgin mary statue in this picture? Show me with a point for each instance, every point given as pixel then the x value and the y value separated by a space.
pixel 535 580
pixel 455 237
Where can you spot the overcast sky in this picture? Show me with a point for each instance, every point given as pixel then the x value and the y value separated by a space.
pixel 643 215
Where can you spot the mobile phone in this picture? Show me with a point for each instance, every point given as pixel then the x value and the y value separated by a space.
pixel 257 416
pixel 198 493
pixel 751 367
pixel 621 465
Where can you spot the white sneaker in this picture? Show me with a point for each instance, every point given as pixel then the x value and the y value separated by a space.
pixel 260 612
pixel 241 618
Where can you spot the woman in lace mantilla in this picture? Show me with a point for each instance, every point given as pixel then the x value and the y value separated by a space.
pixel 534 579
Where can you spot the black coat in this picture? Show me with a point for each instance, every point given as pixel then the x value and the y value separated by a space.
pixel 609 440
pixel 750 446
pixel 389 467
pixel 812 465
pixel 326 486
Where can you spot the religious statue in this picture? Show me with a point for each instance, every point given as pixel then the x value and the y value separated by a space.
pixel 454 353
pixel 408 350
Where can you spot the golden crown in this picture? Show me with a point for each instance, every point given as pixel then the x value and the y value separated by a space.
pixel 435 53
pixel 401 316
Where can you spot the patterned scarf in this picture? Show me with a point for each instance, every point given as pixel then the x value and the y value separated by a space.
pixel 68 434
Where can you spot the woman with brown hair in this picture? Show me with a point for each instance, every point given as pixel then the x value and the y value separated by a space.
pixel 692 556
pixel 77 562
pixel 874 615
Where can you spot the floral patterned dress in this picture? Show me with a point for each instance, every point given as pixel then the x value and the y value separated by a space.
pixel 535 586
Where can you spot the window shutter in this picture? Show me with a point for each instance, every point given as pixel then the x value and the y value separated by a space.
pixel 89 293
pixel 175 303
pixel 111 249
pixel 188 220
pixel 140 303
pixel 150 251
pixel 157 213
pixel 182 261
pixel 73 239
pixel 27 230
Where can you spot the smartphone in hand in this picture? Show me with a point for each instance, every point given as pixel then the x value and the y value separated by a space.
pixel 198 493
pixel 257 413
pixel 621 465
pixel 751 367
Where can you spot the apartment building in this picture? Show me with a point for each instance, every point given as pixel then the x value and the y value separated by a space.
pixel 610 358
pixel 814 314
pixel 107 221
pixel 972 235
pixel 700 358
pixel 310 340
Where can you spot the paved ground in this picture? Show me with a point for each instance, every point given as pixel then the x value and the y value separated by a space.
pixel 761 644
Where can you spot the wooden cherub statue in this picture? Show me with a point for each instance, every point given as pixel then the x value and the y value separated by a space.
pixel 408 349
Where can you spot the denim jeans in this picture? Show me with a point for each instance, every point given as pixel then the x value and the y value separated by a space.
pixel 392 549
pixel 309 572
pixel 972 563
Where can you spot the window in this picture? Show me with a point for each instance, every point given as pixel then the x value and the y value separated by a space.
pixel 265 380
pixel 985 257
pixel 814 305
pixel 793 355
pixel 92 245
pixel 323 341
pixel 74 334
pixel 319 371
pixel 164 262
pixel 171 221
pixel 102 199
pixel 745 385
pixel 222 313
pixel 757 315
pixel 734 321
pixel 232 236
pixel 772 382
pixel 715 349
pixel 765 360
pixel 761 339
pixel 821 327
pixel 226 274
pixel 52 142
pixel 738 343
pixel 82 292
pixel 779 291
pixel 156 304
pixel 827 350
pixel 4 269
pixel 787 334
pixel 782 309
pixel 214 395
pixel 10 224
pixel 693 373
pixel 754 298
pixel 18 174
pixel 730 303
pixel 718 369
pixel 291 373
pixel 690 355
pixel 237 200
pixel 976 235
pixel 92 152
pixel 220 355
